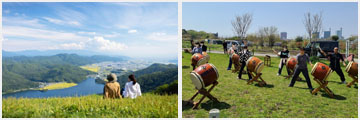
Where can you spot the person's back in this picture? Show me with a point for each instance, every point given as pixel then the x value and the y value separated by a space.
pixel 112 88
pixel 132 88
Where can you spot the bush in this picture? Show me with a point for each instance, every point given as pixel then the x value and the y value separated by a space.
pixel 314 59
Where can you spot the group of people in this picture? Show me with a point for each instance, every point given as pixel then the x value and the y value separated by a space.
pixel 301 67
pixel 198 47
pixel 302 60
pixel 112 88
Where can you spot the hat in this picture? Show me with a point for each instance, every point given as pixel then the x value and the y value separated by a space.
pixel 111 77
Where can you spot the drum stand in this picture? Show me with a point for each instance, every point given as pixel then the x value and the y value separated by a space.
pixel 291 74
pixel 237 68
pixel 255 78
pixel 205 93
pixel 355 79
pixel 323 84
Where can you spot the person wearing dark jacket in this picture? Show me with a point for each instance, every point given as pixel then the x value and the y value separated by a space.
pixel 335 59
pixel 203 46
pixel 284 55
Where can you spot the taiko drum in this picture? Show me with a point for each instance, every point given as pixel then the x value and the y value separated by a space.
pixel 204 75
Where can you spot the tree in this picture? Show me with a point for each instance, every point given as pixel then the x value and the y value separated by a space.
pixel 269 33
pixel 241 25
pixel 298 39
pixel 335 37
pixel 313 24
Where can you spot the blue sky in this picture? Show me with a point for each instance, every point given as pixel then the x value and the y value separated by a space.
pixel 131 29
pixel 287 17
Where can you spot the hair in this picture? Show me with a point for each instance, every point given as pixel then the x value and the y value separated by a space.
pixel 245 47
pixel 233 43
pixel 285 46
pixel 197 43
pixel 132 78
pixel 302 48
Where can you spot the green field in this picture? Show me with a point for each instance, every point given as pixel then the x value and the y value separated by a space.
pixel 276 100
pixel 61 85
pixel 93 106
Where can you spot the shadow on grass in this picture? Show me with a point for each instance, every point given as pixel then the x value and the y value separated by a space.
pixel 336 97
pixel 186 105
pixel 185 67
pixel 208 105
pixel 267 85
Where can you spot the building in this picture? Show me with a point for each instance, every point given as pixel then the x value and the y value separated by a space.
pixel 339 34
pixel 283 35
pixel 327 34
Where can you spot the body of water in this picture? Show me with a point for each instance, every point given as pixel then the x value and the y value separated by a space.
pixel 85 87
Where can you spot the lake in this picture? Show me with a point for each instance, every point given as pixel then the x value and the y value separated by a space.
pixel 83 88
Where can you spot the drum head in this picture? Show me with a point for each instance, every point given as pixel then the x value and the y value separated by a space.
pixel 201 61
pixel 314 68
pixel 197 80
pixel 348 66
pixel 259 67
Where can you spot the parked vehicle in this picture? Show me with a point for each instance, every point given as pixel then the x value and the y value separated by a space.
pixel 326 46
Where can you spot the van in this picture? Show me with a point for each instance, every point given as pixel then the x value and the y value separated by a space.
pixel 326 46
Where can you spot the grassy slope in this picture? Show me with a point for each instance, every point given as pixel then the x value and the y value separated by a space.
pixel 58 86
pixel 93 68
pixel 93 106
pixel 237 99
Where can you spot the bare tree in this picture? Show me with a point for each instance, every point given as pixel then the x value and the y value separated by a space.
pixel 269 33
pixel 313 24
pixel 241 25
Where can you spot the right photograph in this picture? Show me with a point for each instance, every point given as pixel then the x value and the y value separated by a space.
pixel 270 60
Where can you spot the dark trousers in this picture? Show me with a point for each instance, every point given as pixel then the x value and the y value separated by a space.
pixel 225 50
pixel 242 68
pixel 296 75
pixel 230 63
pixel 340 73
pixel 281 66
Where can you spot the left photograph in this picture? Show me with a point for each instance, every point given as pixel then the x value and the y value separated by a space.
pixel 89 60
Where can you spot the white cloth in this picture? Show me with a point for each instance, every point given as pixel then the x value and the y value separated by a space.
pixel 132 90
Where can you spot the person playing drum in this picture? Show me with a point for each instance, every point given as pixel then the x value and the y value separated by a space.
pixel 244 54
pixel 301 66
pixel 232 49
pixel 335 62
pixel 284 55
pixel 197 48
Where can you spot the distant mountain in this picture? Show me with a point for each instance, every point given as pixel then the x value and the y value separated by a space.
pixel 53 52
pixel 153 76
pixel 23 72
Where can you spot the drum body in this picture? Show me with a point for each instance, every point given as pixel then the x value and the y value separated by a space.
pixel 254 64
pixel 204 76
pixel 320 71
pixel 352 68
pixel 291 63
pixel 197 59
pixel 235 58
pixel 206 56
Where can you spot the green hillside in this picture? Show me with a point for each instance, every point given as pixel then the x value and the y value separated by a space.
pixel 277 100
pixel 153 76
pixel 22 72
pixel 92 106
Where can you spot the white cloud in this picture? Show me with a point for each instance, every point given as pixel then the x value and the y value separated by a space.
pixel 62 22
pixel 87 33
pixel 132 31
pixel 21 21
pixel 163 37
pixel 50 35
pixel 96 43
pixel 113 34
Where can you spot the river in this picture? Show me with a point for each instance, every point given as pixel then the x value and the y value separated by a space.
pixel 83 88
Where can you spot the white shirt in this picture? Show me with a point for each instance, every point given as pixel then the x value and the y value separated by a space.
pixel 132 90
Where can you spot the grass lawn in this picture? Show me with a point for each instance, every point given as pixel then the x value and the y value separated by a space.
pixel 92 106
pixel 58 86
pixel 276 100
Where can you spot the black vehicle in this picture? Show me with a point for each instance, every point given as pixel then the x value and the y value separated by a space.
pixel 326 46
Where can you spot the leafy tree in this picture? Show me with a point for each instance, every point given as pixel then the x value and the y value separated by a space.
pixel 335 38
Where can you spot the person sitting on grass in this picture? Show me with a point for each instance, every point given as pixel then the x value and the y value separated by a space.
pixel 132 88
pixel 197 48
pixel 112 88
pixel 301 66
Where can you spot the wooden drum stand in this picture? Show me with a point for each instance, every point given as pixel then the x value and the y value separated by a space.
pixel 205 93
